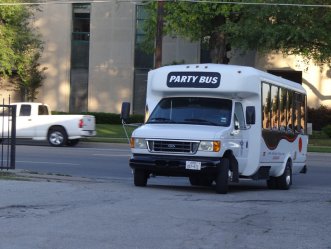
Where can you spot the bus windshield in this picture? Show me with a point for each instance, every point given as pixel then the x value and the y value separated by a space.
pixel 193 110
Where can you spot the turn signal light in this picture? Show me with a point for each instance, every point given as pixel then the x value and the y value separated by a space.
pixel 216 146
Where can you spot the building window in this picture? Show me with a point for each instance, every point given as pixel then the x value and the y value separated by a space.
pixel 143 62
pixel 80 35
pixel 80 49
pixel 142 59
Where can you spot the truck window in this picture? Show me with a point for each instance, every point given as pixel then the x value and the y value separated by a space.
pixel 193 110
pixel 25 110
pixel 42 110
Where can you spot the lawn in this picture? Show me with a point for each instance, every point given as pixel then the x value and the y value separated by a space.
pixel 318 142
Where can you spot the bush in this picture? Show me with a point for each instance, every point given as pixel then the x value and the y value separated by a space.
pixel 109 118
pixel 319 117
pixel 327 130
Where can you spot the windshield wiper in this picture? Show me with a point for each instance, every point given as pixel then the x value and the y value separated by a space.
pixel 200 121
pixel 161 120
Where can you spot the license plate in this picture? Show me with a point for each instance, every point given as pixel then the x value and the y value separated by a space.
pixel 193 165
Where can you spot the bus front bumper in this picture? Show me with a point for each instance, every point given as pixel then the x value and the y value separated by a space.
pixel 165 165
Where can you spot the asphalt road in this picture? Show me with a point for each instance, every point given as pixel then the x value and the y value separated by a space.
pixel 103 210
pixel 110 161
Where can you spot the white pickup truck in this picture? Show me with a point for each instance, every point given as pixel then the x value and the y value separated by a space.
pixel 34 120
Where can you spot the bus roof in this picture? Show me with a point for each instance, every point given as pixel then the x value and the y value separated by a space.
pixel 228 74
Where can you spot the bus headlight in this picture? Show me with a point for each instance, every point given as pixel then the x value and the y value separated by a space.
pixel 138 143
pixel 213 146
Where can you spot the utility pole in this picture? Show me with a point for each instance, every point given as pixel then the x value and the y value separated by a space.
pixel 159 34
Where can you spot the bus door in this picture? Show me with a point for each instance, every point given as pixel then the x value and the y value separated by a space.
pixel 240 136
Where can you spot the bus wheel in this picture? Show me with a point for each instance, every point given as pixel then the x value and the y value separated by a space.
pixel 285 180
pixel 222 176
pixel 140 178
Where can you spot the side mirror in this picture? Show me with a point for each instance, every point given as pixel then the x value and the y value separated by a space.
pixel 125 111
pixel 250 115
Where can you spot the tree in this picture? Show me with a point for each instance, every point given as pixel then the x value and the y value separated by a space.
pixel 289 29
pixel 20 49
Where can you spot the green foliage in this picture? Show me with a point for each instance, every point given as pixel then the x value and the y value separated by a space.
pixel 294 30
pixel 20 49
pixel 319 117
pixel 109 118
pixel 327 130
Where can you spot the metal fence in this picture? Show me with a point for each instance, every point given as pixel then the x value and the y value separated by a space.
pixel 7 135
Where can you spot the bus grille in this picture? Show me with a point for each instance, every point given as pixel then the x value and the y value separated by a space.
pixel 187 147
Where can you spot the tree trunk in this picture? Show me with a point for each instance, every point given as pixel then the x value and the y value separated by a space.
pixel 218 48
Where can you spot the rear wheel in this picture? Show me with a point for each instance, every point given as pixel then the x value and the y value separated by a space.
pixel 140 178
pixel 222 176
pixel 57 137
pixel 285 180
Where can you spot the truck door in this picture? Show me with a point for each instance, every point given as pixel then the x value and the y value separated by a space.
pixel 24 122
pixel 240 136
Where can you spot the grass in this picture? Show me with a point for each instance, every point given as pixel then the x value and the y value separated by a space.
pixel 318 141
pixel 111 133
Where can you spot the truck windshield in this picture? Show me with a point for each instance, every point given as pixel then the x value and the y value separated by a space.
pixel 193 110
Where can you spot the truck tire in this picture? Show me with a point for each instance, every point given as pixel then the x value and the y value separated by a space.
pixel 57 137
pixel 222 177
pixel 140 178
pixel 285 180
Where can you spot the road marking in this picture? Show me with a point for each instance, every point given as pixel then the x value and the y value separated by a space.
pixel 47 163
pixel 111 155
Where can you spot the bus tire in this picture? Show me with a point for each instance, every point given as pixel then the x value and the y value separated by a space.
pixel 140 178
pixel 222 176
pixel 284 181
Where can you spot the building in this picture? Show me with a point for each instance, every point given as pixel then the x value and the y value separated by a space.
pixel 94 63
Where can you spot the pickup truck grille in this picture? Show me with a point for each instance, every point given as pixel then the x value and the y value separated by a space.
pixel 184 147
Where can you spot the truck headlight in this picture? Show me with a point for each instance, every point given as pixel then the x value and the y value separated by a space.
pixel 138 143
pixel 213 146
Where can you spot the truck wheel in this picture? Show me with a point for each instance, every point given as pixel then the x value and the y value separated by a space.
pixel 285 180
pixel 57 137
pixel 72 142
pixel 222 176
pixel 140 178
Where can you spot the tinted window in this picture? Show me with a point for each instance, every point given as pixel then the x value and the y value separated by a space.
pixel 42 110
pixel 25 110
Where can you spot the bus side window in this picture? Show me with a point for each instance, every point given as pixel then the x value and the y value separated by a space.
pixel 290 114
pixel 266 106
pixel 282 109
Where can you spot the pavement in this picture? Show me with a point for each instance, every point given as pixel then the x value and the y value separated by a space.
pixel 43 211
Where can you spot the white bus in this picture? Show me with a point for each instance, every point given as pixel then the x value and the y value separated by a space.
pixel 220 123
